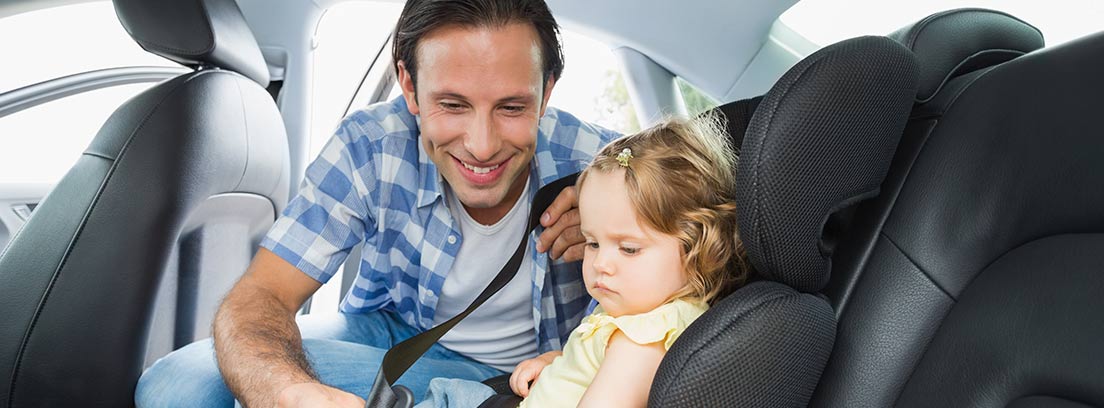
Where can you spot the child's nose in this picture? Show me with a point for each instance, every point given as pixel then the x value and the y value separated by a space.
pixel 602 263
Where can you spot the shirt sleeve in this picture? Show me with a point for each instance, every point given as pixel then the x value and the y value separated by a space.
pixel 330 214
pixel 666 323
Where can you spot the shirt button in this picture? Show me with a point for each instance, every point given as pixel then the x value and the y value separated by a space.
pixel 452 239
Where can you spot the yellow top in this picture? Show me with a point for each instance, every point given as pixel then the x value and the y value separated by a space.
pixel 563 382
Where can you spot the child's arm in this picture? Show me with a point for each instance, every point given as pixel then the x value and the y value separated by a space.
pixel 625 377
pixel 527 371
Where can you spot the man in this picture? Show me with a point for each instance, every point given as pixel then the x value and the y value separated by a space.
pixel 437 185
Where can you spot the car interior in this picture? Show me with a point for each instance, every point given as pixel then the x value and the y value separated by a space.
pixel 922 207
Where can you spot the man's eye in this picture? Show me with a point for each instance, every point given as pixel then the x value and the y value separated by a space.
pixel 514 108
pixel 451 106
pixel 630 251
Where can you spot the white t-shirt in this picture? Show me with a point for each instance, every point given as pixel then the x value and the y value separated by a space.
pixel 500 332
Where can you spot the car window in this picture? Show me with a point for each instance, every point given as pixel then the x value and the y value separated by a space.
pixel 94 40
pixel 348 38
pixel 38 145
pixel 825 21
pixel 592 86
pixel 696 100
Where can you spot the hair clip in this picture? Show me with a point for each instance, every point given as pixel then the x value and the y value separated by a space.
pixel 624 156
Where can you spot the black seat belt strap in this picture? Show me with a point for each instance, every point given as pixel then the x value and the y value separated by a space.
pixel 400 357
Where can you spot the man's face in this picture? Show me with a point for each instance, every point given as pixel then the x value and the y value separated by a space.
pixel 480 98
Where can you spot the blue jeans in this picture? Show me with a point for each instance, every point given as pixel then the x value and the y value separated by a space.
pixel 344 349
pixel 455 393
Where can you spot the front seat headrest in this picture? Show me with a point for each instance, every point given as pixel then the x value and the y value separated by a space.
pixel 195 33
pixel 820 141
pixel 956 42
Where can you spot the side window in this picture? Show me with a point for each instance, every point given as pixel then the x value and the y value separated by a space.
pixel 38 145
pixel 592 87
pixel 348 40
pixel 696 100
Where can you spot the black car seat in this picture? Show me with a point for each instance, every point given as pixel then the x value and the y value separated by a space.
pixel 200 157
pixel 976 278
pixel 819 143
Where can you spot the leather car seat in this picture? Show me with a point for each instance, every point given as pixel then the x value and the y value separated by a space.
pixel 975 279
pixel 196 162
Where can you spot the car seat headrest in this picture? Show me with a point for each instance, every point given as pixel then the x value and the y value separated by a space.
pixel 820 141
pixel 195 33
pixel 960 41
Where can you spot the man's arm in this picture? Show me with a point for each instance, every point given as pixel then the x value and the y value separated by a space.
pixel 257 343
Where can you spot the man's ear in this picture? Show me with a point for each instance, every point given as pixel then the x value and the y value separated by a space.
pixel 406 83
pixel 547 94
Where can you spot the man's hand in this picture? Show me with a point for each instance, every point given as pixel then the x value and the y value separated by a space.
pixel 316 395
pixel 527 371
pixel 561 227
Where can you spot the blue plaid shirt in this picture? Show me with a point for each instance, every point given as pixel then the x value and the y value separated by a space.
pixel 374 183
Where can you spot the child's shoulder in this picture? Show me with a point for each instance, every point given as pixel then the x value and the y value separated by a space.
pixel 664 323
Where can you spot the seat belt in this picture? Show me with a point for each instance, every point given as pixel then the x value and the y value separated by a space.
pixel 400 357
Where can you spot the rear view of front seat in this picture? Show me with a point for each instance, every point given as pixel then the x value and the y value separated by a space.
pixel 207 148
pixel 981 280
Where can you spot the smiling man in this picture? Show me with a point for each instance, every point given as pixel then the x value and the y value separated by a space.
pixel 437 186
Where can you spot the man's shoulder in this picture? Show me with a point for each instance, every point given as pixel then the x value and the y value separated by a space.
pixel 565 129
pixel 571 143
pixel 388 119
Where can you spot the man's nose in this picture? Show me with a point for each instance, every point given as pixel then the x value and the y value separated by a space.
pixel 482 141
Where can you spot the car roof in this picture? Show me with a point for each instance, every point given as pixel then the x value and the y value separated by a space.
pixel 716 45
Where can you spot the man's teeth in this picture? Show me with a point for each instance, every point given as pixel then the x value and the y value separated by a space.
pixel 480 170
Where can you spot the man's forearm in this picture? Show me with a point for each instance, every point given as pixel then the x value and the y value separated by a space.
pixel 258 346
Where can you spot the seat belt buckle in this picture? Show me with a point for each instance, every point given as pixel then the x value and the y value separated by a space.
pixel 384 395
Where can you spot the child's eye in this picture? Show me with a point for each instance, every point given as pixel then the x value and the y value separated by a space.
pixel 630 251
pixel 592 245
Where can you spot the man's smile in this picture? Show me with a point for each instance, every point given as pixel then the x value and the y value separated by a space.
pixel 481 175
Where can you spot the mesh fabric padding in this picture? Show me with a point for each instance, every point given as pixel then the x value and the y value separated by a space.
pixel 820 141
pixel 737 117
pixel 763 346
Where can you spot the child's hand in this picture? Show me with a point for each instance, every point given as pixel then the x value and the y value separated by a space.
pixel 527 372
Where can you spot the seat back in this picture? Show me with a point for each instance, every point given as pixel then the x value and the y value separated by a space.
pixel 977 274
pixel 819 142
pixel 196 160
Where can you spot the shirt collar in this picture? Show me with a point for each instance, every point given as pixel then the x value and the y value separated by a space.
pixel 433 184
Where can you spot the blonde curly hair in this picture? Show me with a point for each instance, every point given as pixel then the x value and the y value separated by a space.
pixel 681 179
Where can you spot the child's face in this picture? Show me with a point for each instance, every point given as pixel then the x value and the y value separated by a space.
pixel 628 267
